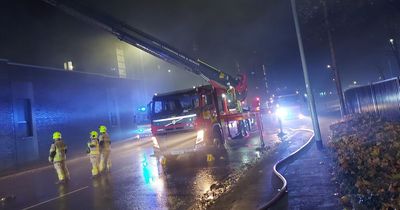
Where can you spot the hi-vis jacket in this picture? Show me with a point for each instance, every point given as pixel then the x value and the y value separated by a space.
pixel 93 147
pixel 57 151
pixel 105 141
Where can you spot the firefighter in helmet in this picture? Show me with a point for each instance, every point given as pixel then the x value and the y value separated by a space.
pixel 57 156
pixel 93 149
pixel 105 149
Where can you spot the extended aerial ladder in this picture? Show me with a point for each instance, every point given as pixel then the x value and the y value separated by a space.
pixel 234 88
pixel 154 46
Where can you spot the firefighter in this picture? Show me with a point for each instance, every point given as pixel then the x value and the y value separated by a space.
pixel 57 156
pixel 105 149
pixel 93 149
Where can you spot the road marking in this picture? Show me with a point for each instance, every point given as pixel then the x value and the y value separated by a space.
pixel 52 199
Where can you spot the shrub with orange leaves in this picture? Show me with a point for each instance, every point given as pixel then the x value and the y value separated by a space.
pixel 367 152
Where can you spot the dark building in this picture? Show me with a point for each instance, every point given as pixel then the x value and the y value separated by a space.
pixel 36 101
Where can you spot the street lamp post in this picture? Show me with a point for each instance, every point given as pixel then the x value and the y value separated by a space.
pixel 310 95
pixel 395 50
pixel 281 114
pixel 281 134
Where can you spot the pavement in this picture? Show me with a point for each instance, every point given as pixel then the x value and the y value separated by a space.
pixel 308 176
pixel 309 182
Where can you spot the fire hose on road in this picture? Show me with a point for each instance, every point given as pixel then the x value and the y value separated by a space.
pixel 282 162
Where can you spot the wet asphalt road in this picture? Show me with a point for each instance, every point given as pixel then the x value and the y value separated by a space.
pixel 136 181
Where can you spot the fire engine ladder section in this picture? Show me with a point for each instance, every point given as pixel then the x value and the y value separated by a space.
pixel 158 48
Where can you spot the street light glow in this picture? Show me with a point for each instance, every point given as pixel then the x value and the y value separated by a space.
pixel 282 113
pixel 391 41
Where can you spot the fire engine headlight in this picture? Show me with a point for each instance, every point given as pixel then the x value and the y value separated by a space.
pixel 155 142
pixel 200 136
pixel 301 116
pixel 282 112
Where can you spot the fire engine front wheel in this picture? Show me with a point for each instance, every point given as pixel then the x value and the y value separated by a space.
pixel 218 141
pixel 248 125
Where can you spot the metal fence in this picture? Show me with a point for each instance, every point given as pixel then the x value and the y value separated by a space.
pixel 381 97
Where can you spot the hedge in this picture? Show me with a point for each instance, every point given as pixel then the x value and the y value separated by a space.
pixel 367 153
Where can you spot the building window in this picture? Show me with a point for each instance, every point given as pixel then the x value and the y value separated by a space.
pixel 23 118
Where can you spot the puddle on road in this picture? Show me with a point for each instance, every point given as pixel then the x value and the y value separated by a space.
pixel 193 183
pixel 151 174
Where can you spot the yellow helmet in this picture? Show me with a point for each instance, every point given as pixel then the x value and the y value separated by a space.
pixel 94 134
pixel 56 135
pixel 103 129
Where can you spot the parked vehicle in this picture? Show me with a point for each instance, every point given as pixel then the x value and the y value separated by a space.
pixel 292 106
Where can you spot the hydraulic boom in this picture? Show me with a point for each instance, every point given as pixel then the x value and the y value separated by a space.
pixel 154 46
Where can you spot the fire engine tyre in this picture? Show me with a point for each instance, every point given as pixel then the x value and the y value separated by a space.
pixel 243 128
pixel 169 161
pixel 218 141
pixel 248 125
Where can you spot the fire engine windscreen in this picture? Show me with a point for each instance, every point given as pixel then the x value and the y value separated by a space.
pixel 175 105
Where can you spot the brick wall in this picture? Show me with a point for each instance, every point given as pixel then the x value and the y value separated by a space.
pixel 7 144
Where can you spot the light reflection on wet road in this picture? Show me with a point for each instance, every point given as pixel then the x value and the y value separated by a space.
pixel 137 180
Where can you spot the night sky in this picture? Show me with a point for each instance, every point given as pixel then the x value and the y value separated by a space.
pixel 234 36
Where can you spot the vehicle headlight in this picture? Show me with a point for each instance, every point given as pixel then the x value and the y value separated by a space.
pixel 155 142
pixel 282 112
pixel 200 136
pixel 301 116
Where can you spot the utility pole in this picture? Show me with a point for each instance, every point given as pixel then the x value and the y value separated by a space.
pixel 237 66
pixel 395 50
pixel 310 95
pixel 265 80
pixel 333 60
